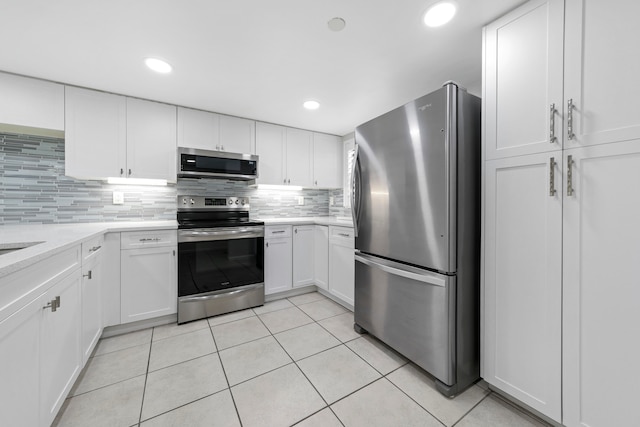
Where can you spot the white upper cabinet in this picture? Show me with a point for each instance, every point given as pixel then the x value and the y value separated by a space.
pixel 96 134
pixel 327 161
pixel 299 157
pixel 31 103
pixel 151 140
pixel 271 149
pixel 237 135
pixel 198 129
pixel 114 136
pixel 601 71
pixel 523 80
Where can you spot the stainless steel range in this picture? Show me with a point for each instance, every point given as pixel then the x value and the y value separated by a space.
pixel 220 257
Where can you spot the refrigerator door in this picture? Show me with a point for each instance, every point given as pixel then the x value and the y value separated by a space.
pixel 404 195
pixel 410 309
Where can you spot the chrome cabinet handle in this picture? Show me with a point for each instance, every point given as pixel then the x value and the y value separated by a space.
pixel 129 172
pixel 288 181
pixel 267 244
pixel 279 232
pixel 222 147
pixel 54 304
pixel 343 235
pixel 552 184
pixel 88 275
pixel 121 171
pixel 295 231
pixel 570 175
pixel 95 248
pixel 284 181
pixel 155 239
pixel 552 123
pixel 570 107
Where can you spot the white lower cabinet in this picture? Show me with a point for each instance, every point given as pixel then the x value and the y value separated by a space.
pixel 60 348
pixel 601 289
pixel 342 263
pixel 303 259
pixel 92 301
pixel 20 366
pixel 148 276
pixel 321 256
pixel 278 259
pixel 523 279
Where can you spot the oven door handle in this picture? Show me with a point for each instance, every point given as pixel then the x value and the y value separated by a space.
pixel 224 293
pixel 224 233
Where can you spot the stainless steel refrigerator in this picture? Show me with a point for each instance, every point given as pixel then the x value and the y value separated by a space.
pixel 415 202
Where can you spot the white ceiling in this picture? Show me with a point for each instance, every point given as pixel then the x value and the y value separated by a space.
pixel 252 58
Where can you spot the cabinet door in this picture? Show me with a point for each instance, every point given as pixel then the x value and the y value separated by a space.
pixel 20 366
pixel 148 283
pixel 277 265
pixel 61 353
pixel 270 148
pixel 303 245
pixel 151 140
pixel 327 161
pixel 601 292
pixel 91 305
pixel 522 279
pixel 299 158
pixel 31 103
pixel 321 256
pixel 601 72
pixel 198 129
pixel 237 135
pixel 522 99
pixel 95 134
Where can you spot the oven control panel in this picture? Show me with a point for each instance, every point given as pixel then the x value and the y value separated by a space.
pixel 204 202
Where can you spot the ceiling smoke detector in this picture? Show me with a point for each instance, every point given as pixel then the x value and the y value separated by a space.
pixel 336 24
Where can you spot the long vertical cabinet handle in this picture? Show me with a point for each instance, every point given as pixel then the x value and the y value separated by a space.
pixel 570 175
pixel 570 107
pixel 354 213
pixel 552 123
pixel 552 177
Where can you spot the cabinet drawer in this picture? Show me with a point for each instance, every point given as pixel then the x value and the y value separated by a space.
pixel 342 235
pixel 276 231
pixel 145 239
pixel 91 247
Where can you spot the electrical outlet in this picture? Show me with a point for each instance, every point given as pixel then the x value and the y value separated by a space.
pixel 300 200
pixel 118 198
pixel 332 201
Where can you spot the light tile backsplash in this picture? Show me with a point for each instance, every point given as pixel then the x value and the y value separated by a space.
pixel 34 189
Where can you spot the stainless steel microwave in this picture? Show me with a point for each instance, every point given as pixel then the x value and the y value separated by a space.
pixel 193 163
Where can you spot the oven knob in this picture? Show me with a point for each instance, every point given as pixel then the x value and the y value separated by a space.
pixel 236 202
pixel 230 202
pixel 193 202
pixel 184 201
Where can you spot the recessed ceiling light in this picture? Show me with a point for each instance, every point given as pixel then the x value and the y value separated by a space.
pixel 311 105
pixel 439 14
pixel 336 24
pixel 158 65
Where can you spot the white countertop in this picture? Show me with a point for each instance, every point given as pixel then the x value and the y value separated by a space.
pixel 319 220
pixel 56 238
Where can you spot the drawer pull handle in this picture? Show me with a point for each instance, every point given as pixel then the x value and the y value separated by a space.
pixel 344 235
pixel 155 239
pixel 552 123
pixel 88 275
pixel 552 184
pixel 95 248
pixel 54 304
pixel 570 108
pixel 277 232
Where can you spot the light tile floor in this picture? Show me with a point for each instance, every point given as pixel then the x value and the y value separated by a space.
pixel 294 361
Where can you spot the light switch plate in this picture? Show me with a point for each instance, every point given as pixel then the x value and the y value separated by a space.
pixel 300 200
pixel 118 198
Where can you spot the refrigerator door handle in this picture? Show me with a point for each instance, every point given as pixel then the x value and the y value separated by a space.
pixel 402 270
pixel 355 201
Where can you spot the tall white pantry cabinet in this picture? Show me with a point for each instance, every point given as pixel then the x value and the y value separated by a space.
pixel 561 235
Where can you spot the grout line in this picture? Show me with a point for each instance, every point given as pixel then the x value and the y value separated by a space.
pixel 416 402
pixel 144 388
pixel 472 408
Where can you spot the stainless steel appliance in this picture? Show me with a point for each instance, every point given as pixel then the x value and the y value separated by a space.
pixel 220 257
pixel 416 213
pixel 193 163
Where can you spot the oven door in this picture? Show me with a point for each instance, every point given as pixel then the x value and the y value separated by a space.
pixel 219 259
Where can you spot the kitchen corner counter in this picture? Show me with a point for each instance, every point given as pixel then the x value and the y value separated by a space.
pixel 317 220
pixel 54 238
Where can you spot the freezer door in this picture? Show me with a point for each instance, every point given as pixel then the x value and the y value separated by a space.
pixel 410 309
pixel 404 200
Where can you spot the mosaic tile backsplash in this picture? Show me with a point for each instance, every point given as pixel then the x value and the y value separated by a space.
pixel 34 189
